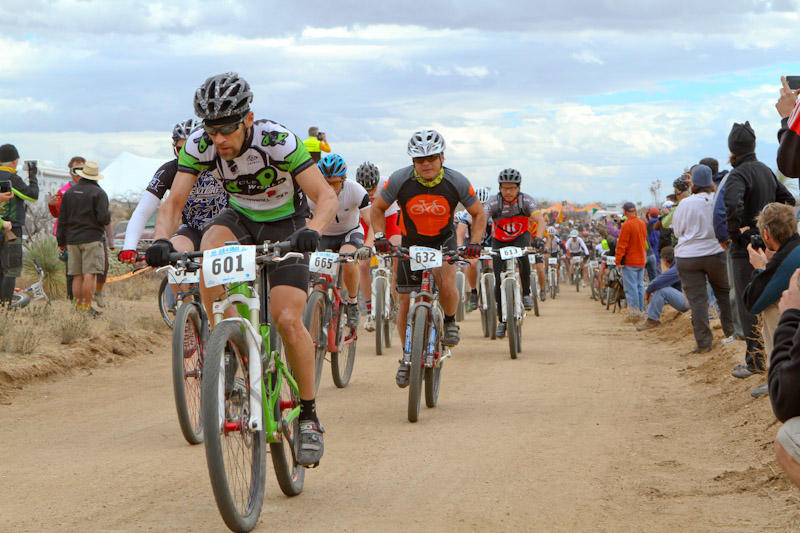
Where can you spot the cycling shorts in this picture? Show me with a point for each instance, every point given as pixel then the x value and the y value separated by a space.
pixel 334 243
pixel 392 225
pixel 410 280
pixel 292 272
pixel 194 235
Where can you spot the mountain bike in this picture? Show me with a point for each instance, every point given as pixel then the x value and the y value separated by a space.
pixel 511 296
pixel 189 339
pixel 552 275
pixel 325 318
pixel 486 302
pixel 21 298
pixel 249 395
pixel 576 262
pixel 614 289
pixel 383 306
pixel 423 350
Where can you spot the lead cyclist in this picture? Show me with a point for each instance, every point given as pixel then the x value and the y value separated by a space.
pixel 267 173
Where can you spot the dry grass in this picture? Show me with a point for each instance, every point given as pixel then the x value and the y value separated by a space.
pixel 74 326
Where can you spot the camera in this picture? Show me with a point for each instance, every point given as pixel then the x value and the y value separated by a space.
pixel 321 136
pixel 757 242
pixel 5 186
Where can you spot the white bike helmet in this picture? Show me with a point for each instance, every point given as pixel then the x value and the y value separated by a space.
pixel 482 193
pixel 425 142
pixel 573 234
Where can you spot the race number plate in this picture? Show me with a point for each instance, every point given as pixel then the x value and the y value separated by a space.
pixel 611 260
pixel 510 252
pixel 423 257
pixel 181 277
pixel 324 263
pixel 229 264
pixel 552 261
pixel 592 264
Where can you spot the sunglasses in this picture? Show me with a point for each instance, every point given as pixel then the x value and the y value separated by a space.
pixel 74 170
pixel 225 129
pixel 427 158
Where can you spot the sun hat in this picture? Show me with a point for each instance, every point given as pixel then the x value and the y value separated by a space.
pixel 90 171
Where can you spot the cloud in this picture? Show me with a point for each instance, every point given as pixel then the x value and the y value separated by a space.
pixel 587 56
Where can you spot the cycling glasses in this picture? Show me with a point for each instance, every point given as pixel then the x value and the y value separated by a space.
pixel 225 129
pixel 74 170
pixel 427 158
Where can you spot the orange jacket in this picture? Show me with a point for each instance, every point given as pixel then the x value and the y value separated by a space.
pixel 632 243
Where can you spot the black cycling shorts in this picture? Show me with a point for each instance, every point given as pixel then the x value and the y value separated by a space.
pixel 354 237
pixel 292 272
pixel 194 235
pixel 410 280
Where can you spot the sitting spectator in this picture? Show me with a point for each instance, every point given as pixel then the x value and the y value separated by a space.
pixel 700 257
pixel 784 380
pixel 665 289
pixel 773 268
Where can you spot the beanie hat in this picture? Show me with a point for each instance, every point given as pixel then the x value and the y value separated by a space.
pixel 8 152
pixel 742 139
pixel 701 176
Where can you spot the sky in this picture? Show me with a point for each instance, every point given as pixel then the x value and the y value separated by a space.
pixel 589 100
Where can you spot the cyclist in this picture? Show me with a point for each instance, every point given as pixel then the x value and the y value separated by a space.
pixel 206 199
pixel 345 234
pixel 427 193
pixel 463 221
pixel 511 213
pixel 576 247
pixel 267 173
pixel 368 176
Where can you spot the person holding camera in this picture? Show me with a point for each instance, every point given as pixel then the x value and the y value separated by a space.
pixel 774 255
pixel 15 192
pixel 316 143
pixel 748 188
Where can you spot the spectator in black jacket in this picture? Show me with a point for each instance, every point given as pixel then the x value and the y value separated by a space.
pixel 748 188
pixel 784 380
pixel 773 268
pixel 13 210
pixel 81 221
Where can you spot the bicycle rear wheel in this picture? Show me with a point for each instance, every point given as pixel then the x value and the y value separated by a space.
pixel 19 300
pixel 314 322
pixel 418 339
pixel 235 454
pixel 166 313
pixel 535 295
pixel 187 370
pixel 379 304
pixel 289 473
pixel 491 305
pixel 344 358
pixel 511 321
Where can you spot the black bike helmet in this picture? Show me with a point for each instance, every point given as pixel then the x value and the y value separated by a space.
pixel 367 175
pixel 223 98
pixel 510 175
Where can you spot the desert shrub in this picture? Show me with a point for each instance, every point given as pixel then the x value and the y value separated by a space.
pixel 74 326
pixel 45 251
pixel 23 343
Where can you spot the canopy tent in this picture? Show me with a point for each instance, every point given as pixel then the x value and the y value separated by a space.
pixel 128 173
pixel 591 207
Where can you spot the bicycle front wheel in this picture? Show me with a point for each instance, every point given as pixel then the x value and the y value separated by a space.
pixel 535 295
pixel 380 318
pixel 553 284
pixel 187 370
pixel 433 376
pixel 511 321
pixel 491 305
pixel 235 454
pixel 314 322
pixel 166 312
pixel 418 339
pixel 344 358
pixel 19 300
pixel 460 309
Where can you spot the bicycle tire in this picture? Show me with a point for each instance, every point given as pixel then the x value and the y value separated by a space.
pixel 342 363
pixel 239 504
pixel 535 295
pixel 20 300
pixel 460 311
pixel 433 375
pixel 387 333
pixel 314 322
pixel 491 305
pixel 484 323
pixel 162 303
pixel 418 340
pixel 379 303
pixel 289 473
pixel 553 284
pixel 187 371
pixel 511 321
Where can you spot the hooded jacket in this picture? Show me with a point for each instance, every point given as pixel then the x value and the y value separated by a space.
pixel 766 286
pixel 749 187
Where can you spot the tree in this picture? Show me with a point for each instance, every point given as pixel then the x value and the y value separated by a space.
pixel 655 190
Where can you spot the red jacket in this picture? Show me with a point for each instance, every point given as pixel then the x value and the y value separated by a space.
pixel 632 243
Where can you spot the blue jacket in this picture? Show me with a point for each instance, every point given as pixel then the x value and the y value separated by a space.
pixel 719 219
pixel 766 286
pixel 653 235
pixel 668 278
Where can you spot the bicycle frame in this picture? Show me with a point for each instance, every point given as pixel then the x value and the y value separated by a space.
pixel 510 275
pixel 427 297
pixel 333 304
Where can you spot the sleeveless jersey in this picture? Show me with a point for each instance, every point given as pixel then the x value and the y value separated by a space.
pixel 352 199
pixel 509 220
pixel 260 181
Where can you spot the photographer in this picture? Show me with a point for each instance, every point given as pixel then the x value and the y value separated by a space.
pixel 775 256
pixel 316 143
pixel 748 188
pixel 16 192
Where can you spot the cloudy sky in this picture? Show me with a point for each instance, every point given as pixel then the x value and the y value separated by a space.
pixel 590 100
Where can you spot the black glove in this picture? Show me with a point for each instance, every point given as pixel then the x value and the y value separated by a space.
pixel 383 245
pixel 32 169
pixel 157 255
pixel 537 242
pixel 472 250
pixel 304 240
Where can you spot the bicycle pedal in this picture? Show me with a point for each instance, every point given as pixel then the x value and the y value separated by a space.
pixel 309 467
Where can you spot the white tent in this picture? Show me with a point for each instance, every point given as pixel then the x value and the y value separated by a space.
pixel 128 174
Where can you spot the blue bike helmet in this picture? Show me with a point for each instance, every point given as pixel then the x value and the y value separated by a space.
pixel 333 166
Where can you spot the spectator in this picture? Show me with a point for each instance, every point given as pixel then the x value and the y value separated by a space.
pixel 653 260
pixel 713 164
pixel 316 143
pixel 631 252
pixel 666 288
pixel 773 268
pixel 81 221
pixel 789 133
pixel 748 188
pixel 784 380
pixel 700 257
pixel 13 210
pixel 682 188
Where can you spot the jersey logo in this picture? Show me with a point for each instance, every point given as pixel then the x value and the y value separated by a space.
pixel 272 138
pixel 202 143
pixel 508 229
pixel 429 213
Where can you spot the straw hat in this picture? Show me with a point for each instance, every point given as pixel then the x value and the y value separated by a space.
pixel 90 171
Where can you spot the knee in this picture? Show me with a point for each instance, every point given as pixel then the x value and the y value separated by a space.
pixel 289 323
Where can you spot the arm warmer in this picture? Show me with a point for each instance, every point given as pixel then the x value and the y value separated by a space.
pixel 147 205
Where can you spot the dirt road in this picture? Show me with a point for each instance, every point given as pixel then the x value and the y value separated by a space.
pixel 593 428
